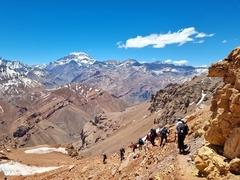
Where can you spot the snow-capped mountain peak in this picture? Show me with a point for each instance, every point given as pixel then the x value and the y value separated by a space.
pixel 80 58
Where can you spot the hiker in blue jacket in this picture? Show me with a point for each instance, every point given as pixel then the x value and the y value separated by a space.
pixel 163 134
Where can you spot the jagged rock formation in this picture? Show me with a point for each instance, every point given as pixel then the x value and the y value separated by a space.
pixel 179 100
pixel 224 126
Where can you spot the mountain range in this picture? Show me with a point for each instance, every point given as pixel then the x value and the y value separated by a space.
pixel 128 80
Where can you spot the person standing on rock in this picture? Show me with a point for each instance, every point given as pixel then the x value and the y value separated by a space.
pixel 180 135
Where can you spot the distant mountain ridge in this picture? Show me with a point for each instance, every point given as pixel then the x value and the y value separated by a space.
pixel 129 80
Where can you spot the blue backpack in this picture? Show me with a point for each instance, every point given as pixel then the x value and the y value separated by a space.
pixel 140 141
pixel 164 132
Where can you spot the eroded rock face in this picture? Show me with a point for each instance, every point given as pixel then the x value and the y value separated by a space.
pixel 225 125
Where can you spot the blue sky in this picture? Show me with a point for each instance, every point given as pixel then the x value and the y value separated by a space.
pixel 187 32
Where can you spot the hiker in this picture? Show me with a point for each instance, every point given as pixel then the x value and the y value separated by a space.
pixel 180 135
pixel 148 138
pixel 163 135
pixel 133 146
pixel 104 158
pixel 140 143
pixel 122 151
pixel 153 135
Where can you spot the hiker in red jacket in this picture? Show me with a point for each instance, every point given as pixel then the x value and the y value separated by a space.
pixel 133 146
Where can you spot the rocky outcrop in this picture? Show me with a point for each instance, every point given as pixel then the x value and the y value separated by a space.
pixel 21 131
pixel 179 100
pixel 221 157
pixel 225 124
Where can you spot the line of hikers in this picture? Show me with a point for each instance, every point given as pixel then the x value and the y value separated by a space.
pixel 181 132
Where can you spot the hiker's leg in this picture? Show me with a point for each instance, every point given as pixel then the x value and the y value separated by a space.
pixel 179 144
pixel 161 140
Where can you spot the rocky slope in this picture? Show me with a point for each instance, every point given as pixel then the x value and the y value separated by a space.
pixel 165 106
pixel 50 116
pixel 222 154
pixel 179 100
pixel 152 162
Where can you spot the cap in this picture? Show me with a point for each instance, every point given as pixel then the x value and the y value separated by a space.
pixel 179 119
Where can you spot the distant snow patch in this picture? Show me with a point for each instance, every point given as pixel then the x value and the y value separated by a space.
pixel 16 169
pixel 1 108
pixel 45 150
pixel 191 103
pixel 203 95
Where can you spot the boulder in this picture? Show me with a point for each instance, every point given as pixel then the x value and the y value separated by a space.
pixel 232 144
pixel 235 166
pixel 210 164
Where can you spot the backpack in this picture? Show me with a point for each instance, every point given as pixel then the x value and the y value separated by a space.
pixel 140 141
pixel 185 129
pixel 148 137
pixel 153 133
pixel 164 132
pixel 180 130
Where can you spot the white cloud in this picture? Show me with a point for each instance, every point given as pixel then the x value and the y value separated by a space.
pixel 161 40
pixel 199 42
pixel 224 41
pixel 181 62
pixel 168 61
pixel 201 35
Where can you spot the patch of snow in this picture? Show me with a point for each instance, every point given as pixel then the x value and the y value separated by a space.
pixel 158 72
pixel 191 103
pixel 45 150
pixel 202 81
pixel 16 169
pixel 1 108
pixel 203 95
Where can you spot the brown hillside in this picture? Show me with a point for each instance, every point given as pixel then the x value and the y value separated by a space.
pixel 155 162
